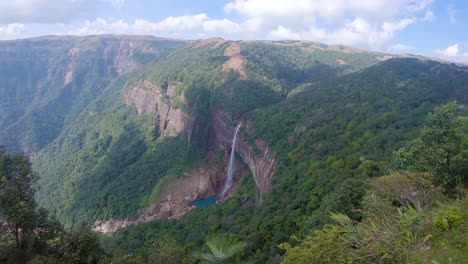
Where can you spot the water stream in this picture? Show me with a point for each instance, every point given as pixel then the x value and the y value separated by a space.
pixel 230 172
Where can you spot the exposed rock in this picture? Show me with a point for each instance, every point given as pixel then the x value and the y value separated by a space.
pixel 263 165
pixel 235 61
pixel 198 183
pixel 171 122
pixel 341 62
pixel 178 195
pixel 385 57
pixel 4 227
pixel 149 98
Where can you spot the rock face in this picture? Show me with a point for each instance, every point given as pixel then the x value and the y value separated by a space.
pixel 263 165
pixel 169 118
pixel 46 82
pixel 175 201
pixel 177 196
pixel 147 97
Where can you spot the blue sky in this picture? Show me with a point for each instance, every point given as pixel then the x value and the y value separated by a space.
pixel 437 28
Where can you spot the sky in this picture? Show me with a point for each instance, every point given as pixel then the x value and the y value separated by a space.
pixel 436 28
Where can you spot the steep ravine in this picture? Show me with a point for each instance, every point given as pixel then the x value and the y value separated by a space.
pixel 175 201
pixel 47 82
pixel 263 165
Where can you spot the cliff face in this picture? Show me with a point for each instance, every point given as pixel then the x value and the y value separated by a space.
pixel 262 165
pixel 208 180
pixel 147 97
pixel 176 198
pixel 165 106
pixel 46 82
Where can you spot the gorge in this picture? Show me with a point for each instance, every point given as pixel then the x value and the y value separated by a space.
pixel 156 142
pixel 232 159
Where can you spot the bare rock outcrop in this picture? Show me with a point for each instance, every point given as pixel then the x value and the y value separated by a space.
pixel 206 181
pixel 235 61
pixel 259 158
pixel 178 195
pixel 149 98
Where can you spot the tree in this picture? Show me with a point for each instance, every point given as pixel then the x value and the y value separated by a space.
pixel 222 249
pixel 35 232
pixel 436 148
pixel 166 251
pixel 17 205
pixel 80 246
pixel 324 246
pixel 413 189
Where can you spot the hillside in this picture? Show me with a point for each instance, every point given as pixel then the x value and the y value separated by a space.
pixel 126 132
pixel 96 167
pixel 47 81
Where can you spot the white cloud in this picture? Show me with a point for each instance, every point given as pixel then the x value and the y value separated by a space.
pixel 451 51
pixel 283 34
pixel 399 48
pixel 330 10
pixel 11 31
pixel 429 16
pixel 366 23
pixel 358 32
pixel 171 26
pixel 452 12
pixel 224 26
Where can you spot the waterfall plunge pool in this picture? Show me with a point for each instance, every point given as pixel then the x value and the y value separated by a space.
pixel 205 201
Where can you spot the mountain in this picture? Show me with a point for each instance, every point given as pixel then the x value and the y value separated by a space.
pixel 96 167
pixel 47 81
pixel 126 132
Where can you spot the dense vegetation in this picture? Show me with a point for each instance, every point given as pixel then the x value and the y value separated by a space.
pixel 47 82
pixel 407 217
pixel 28 233
pixel 92 166
pixel 108 161
pixel 330 137
pixel 350 134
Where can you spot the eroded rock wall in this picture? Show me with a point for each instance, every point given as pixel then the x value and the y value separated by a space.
pixel 175 201
pixel 149 98
pixel 203 182
pixel 259 158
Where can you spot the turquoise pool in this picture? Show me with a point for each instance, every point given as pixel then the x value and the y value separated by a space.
pixel 205 201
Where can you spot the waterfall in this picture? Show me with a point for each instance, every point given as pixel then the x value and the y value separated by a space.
pixel 230 172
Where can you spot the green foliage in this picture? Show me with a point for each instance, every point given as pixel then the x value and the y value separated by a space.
pixel 221 249
pixel 45 87
pixel 328 138
pixel 80 247
pixel 448 218
pixel 411 189
pixel 324 246
pixel 166 251
pixel 25 224
pixel 331 125
pixel 36 236
pixel 437 146
pixel 286 67
pixel 106 164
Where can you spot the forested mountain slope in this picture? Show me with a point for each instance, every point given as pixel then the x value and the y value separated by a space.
pixel 329 138
pixel 106 164
pixel 137 136
pixel 47 81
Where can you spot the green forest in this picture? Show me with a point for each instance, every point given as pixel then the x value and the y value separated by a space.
pixel 372 160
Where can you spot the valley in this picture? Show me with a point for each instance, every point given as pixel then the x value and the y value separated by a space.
pixel 272 139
